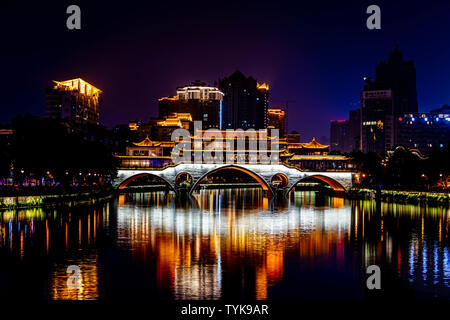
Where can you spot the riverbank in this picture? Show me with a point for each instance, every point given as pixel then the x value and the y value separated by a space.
pixel 70 198
pixel 410 197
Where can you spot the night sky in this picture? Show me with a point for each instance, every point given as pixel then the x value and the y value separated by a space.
pixel 313 52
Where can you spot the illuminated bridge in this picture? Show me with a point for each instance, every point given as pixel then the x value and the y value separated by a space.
pixel 265 174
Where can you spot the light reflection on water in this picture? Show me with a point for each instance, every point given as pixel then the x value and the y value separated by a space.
pixel 87 288
pixel 192 244
pixel 227 243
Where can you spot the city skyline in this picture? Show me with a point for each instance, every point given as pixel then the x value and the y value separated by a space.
pixel 130 61
pixel 225 159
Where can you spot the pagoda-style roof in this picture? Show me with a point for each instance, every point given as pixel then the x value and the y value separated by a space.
pixel 295 145
pixel 314 145
pixel 145 143
pixel 149 143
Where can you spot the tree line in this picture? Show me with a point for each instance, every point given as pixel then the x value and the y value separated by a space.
pixel 403 169
pixel 47 151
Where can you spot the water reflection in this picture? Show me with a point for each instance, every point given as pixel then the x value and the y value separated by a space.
pixel 226 244
pixel 53 239
pixel 87 285
pixel 196 247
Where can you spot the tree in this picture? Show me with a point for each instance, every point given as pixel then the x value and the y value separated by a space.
pixel 370 165
pixel 5 159
pixel 45 148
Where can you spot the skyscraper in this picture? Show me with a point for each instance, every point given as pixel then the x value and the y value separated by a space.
pixel 338 135
pixel 377 128
pixel 245 102
pixel 392 94
pixel 353 131
pixel 202 102
pixel 399 76
pixel 75 101
pixel 263 98
pixel 277 120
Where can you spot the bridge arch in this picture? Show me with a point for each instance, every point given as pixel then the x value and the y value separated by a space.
pixel 336 185
pixel 264 184
pixel 125 182
pixel 279 179
pixel 183 176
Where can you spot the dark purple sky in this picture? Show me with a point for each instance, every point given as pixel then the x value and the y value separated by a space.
pixel 313 52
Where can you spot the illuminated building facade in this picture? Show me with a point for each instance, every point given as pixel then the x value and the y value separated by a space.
pixel 161 130
pixel 75 101
pixel 147 154
pixel 391 95
pixel 202 102
pixel 277 120
pixel 245 146
pixel 310 156
pixel 377 116
pixel 263 98
pixel 245 102
pixel 424 131
pixel 313 156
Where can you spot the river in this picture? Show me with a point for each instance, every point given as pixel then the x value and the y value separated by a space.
pixel 222 244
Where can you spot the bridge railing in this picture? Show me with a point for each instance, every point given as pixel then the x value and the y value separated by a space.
pixel 292 166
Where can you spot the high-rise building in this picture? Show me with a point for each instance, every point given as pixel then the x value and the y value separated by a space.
pixel 75 101
pixel 353 131
pixel 338 135
pixel 377 128
pixel 345 134
pixel 399 76
pixel 263 98
pixel 277 120
pixel 202 102
pixel 392 94
pixel 424 131
pixel 245 102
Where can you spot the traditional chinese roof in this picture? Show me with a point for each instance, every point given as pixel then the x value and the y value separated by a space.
pixel 145 143
pixel 295 145
pixel 314 145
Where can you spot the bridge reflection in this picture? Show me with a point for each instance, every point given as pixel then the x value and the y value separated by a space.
pixel 228 230
pixel 226 243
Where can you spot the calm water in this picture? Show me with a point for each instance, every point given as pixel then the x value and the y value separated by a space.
pixel 226 244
